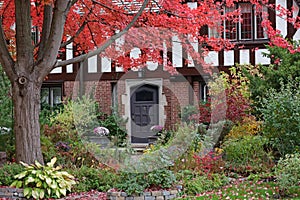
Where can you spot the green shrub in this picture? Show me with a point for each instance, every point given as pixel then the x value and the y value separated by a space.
pixel 197 184
pixel 47 113
pixel 69 149
pixel 41 181
pixel 7 144
pixel 6 103
pixel 80 115
pixel 287 172
pixel 247 154
pixel 187 114
pixel 133 183
pixel 93 179
pixel 116 126
pixel 7 173
pixel 62 136
pixel 281 115
pixel 284 67
pixel 249 126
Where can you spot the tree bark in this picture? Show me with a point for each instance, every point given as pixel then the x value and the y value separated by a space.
pixel 26 98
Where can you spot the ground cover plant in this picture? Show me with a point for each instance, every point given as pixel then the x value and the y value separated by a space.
pixel 247 155
pixel 7 173
pixel 94 178
pixel 245 190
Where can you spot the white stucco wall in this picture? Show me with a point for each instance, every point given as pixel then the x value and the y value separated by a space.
pixel 260 59
pixel 212 58
pixel 92 64
pixel 244 56
pixel 228 58
pixel 281 23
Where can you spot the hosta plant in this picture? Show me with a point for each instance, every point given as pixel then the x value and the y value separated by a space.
pixel 41 181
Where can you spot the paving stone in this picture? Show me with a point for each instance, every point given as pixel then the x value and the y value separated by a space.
pixel 157 193
pixel 173 192
pixel 124 194
pixel 147 193
pixel 116 198
pixel 149 198
pixel 129 198
pixel 139 198
pixel 115 194
pixel 172 196
pixel 159 198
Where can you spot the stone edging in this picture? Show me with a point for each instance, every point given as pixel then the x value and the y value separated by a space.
pixel 153 195
pixel 17 193
pixel 11 193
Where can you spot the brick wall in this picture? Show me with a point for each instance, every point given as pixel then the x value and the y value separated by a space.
pixel 101 91
pixel 177 96
pixel 68 88
pixel 103 95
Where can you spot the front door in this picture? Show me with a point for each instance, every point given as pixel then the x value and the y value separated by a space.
pixel 144 112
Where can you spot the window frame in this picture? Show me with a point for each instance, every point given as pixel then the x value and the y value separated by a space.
pixel 50 98
pixel 238 26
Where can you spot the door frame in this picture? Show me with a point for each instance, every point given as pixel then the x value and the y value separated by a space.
pixel 130 84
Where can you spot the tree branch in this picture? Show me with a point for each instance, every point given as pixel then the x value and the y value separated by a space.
pixel 47 19
pixel 107 43
pixel 81 28
pixel 23 35
pixel 52 45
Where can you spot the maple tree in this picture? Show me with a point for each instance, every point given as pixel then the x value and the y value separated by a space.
pixel 93 27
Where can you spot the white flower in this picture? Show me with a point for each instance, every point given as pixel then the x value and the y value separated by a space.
pixel 156 128
pixel 101 131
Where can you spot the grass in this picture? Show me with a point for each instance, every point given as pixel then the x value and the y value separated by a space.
pixel 247 190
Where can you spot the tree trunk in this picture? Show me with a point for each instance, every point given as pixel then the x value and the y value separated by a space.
pixel 26 99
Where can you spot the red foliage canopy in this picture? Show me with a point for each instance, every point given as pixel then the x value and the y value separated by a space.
pixel 90 23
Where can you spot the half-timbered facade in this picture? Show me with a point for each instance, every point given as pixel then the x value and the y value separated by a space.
pixel 152 96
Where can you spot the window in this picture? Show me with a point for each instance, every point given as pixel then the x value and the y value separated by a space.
pixel 247 28
pixel 51 95
pixel 230 27
pixel 246 24
pixel 203 91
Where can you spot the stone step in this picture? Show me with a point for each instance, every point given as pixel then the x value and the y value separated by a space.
pixel 139 147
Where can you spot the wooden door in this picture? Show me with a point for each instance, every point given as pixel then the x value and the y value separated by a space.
pixel 144 112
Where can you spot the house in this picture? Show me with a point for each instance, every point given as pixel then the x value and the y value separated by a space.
pixel 152 96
